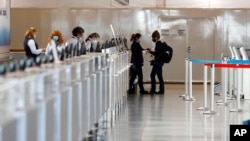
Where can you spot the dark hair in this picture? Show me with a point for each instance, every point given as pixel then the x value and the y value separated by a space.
pixel 77 30
pixel 135 36
pixel 156 34
pixel 92 35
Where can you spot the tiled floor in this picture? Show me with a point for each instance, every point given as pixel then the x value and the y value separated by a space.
pixel 169 118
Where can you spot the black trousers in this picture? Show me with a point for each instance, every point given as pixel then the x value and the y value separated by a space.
pixel 136 70
pixel 157 70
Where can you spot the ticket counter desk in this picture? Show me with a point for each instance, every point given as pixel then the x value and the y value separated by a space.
pixel 64 101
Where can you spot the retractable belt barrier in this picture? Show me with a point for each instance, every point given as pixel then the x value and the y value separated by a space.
pixel 238 62
pixel 231 66
pixel 188 96
pixel 224 65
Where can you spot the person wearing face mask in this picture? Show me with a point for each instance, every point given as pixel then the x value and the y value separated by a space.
pixel 30 45
pixel 76 39
pixel 137 63
pixel 55 39
pixel 158 64
pixel 91 42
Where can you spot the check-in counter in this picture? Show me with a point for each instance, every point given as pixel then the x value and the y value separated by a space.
pixel 26 102
pixel 90 90
pixel 100 70
pixel 63 101
pixel 118 81
pixel 9 121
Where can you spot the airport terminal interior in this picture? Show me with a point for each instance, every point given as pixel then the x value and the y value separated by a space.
pixel 67 70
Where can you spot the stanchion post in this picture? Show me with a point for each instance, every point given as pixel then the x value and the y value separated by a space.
pixel 234 85
pixel 205 107
pixel 212 87
pixel 224 84
pixel 190 79
pixel 231 83
pixel 186 77
pixel 189 96
pixel 238 106
pixel 212 111
pixel 239 93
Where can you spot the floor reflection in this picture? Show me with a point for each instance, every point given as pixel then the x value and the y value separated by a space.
pixel 169 118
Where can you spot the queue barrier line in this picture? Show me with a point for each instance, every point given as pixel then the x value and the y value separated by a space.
pixel 225 65
pixel 194 60
pixel 229 66
pixel 238 62
pixel 188 96
pixel 204 61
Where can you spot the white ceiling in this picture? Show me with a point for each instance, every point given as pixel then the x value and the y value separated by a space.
pixel 133 4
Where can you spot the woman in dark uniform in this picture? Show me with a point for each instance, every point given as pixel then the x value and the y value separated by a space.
pixel 30 45
pixel 137 63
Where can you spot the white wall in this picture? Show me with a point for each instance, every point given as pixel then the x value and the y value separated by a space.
pixel 210 31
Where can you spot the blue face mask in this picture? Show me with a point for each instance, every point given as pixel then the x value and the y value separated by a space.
pixel 55 38
pixel 139 41
pixel 79 39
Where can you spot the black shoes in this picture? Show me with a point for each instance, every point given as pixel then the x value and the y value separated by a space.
pixel 131 91
pixel 152 92
pixel 144 92
pixel 161 93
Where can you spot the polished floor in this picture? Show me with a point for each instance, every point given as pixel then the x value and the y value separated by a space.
pixel 169 118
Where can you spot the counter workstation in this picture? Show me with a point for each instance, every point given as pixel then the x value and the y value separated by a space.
pixel 63 101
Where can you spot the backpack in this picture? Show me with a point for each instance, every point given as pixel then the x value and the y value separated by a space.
pixel 167 56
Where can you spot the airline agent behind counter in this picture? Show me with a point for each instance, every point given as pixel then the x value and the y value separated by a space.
pixel 55 38
pixel 77 33
pixel 91 42
pixel 30 45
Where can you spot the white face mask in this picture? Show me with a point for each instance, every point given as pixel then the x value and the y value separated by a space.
pixel 94 41
pixel 79 39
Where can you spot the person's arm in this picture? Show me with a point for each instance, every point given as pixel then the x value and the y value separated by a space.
pixel 48 48
pixel 88 45
pixel 158 48
pixel 152 52
pixel 61 47
pixel 140 48
pixel 32 46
